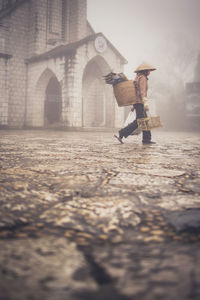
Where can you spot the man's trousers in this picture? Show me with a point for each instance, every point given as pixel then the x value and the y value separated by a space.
pixel 140 113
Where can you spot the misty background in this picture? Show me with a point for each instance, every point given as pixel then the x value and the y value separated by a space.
pixel 163 33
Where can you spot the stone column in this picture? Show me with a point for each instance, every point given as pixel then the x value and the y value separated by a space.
pixel 4 91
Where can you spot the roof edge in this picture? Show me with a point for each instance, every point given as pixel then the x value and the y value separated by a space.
pixel 114 49
pixel 90 27
pixel 70 48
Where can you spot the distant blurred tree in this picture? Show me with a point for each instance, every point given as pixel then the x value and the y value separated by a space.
pixel 176 62
pixel 197 70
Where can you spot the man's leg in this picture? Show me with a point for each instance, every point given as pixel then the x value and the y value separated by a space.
pixel 126 131
pixel 146 134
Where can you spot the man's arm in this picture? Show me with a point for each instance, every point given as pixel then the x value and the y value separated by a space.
pixel 143 86
pixel 143 91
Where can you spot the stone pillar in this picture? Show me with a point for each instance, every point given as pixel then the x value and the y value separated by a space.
pixel 72 92
pixel 68 92
pixel 4 91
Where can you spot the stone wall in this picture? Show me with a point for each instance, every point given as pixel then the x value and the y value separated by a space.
pixel 15 35
pixel 55 22
pixel 77 19
pixel 4 64
pixel 106 61
pixel 47 30
pixel 73 112
pixel 78 102
pixel 4 67
pixel 33 28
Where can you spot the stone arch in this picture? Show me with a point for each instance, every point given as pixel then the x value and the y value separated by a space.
pixel 97 105
pixel 52 107
pixel 48 100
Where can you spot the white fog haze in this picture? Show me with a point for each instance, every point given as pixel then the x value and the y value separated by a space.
pixel 141 29
pixel 99 150
pixel 163 33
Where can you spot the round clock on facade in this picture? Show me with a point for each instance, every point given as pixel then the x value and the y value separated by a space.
pixel 100 44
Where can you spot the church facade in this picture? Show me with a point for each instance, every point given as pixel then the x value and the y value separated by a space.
pixel 52 65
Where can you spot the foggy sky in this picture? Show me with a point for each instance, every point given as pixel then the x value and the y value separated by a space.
pixel 150 30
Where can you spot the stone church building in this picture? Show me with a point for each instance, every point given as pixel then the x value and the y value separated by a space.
pixel 52 65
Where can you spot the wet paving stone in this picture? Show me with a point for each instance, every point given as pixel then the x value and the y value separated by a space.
pixel 83 217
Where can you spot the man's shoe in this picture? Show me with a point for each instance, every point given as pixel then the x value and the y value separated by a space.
pixel 148 142
pixel 118 138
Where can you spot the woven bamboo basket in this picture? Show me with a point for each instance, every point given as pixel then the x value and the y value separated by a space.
pixel 125 93
pixel 149 123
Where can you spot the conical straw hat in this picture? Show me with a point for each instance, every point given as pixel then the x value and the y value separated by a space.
pixel 145 66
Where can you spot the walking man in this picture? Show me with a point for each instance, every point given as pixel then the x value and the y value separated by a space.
pixel 141 107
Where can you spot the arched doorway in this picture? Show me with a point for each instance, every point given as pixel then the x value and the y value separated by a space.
pixel 94 93
pixel 38 106
pixel 52 106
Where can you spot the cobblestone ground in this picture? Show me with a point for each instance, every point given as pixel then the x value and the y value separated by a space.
pixel 83 217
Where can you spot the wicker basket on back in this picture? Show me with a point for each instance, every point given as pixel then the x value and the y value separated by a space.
pixel 125 93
